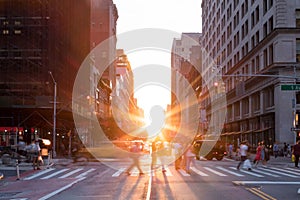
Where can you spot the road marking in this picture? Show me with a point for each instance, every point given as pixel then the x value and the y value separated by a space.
pixel 260 193
pixel 168 172
pixel 198 171
pixel 149 188
pixel 119 172
pixel 54 174
pixel 214 171
pixel 71 173
pixel 265 182
pixel 61 189
pixel 228 171
pixel 247 172
pixel 38 174
pixel 183 173
pixel 85 173
pixel 266 173
pixel 296 173
pixel 276 172
pixel 294 169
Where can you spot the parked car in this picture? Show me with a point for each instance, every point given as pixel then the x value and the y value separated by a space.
pixel 209 149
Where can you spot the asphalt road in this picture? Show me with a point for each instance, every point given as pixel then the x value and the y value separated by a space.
pixel 208 180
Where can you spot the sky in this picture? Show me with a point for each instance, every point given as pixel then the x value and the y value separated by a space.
pixel 174 15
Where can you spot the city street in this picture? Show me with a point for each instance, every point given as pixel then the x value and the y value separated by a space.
pixel 208 180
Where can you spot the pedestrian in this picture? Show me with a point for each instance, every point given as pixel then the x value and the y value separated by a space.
pixel 275 149
pixel 263 153
pixel 135 154
pixel 243 153
pixel 289 150
pixel 158 154
pixel 230 150
pixel 257 155
pixel 34 151
pixel 189 158
pixel 178 155
pixel 296 152
pixel 285 147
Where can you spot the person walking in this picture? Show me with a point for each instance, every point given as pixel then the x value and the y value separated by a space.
pixel 257 155
pixel 157 154
pixel 263 153
pixel 135 159
pixel 33 151
pixel 296 152
pixel 243 152
pixel 275 149
pixel 178 155
pixel 189 158
pixel 230 150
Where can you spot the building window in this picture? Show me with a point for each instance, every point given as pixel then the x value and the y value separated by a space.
pixel 269 97
pixel 265 58
pixel 265 6
pixel 245 106
pixel 298 50
pixel 237 109
pixel 256 102
pixel 265 30
pixel 257 64
pixel 271 24
pixel 271 54
pixel 297 18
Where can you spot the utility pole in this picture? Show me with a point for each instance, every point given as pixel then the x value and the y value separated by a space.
pixel 54 116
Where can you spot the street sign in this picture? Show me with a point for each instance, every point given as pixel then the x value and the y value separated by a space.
pixel 290 87
pixel 295 129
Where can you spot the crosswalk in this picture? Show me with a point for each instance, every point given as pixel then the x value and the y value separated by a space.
pixel 76 173
pixel 202 171
pixel 224 171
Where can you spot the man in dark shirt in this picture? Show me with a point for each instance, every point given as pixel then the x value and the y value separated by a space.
pixel 296 152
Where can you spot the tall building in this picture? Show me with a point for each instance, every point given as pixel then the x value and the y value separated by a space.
pixel 254 46
pixel 186 69
pixel 38 37
pixel 128 117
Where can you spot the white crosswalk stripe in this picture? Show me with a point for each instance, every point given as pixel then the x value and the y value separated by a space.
pixel 266 173
pixel 119 172
pixel 183 173
pixel 55 173
pixel 247 172
pixel 284 170
pixel 198 171
pixel 38 174
pixel 276 172
pixel 85 173
pixel 214 171
pixel 223 171
pixel 71 173
pixel 230 172
pixel 60 173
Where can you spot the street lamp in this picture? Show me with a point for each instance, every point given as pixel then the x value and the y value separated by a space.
pixel 54 114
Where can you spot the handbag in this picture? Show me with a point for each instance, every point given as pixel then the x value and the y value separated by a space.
pixel 293 158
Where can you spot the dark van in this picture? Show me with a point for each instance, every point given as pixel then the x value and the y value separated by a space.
pixel 209 149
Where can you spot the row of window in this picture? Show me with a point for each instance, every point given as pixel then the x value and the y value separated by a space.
pixel 242 108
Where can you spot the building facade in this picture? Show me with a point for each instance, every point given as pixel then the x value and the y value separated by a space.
pixel 254 46
pixel 186 70
pixel 38 37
